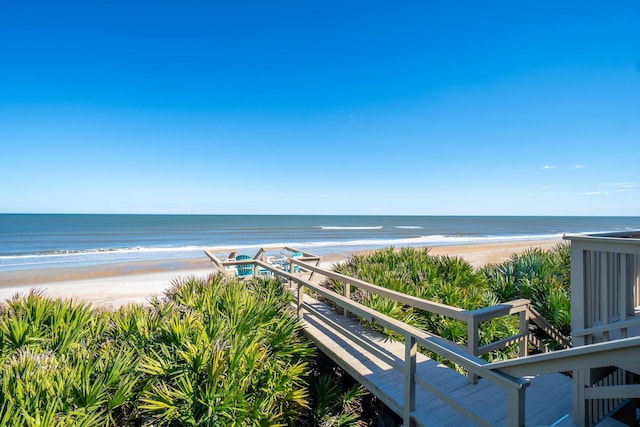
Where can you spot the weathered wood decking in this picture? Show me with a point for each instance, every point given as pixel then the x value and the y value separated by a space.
pixel 529 390
pixel 548 399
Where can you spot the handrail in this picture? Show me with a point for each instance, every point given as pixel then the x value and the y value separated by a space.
pixel 625 352
pixel 434 307
pixel 621 324
pixel 264 249
pixel 217 262
pixel 508 374
pixel 472 318
pixel 413 336
pixel 548 328
pixel 503 309
pixel 591 356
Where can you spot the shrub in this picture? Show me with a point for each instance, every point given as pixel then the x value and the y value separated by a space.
pixel 537 275
pixel 540 276
pixel 444 279
pixel 210 353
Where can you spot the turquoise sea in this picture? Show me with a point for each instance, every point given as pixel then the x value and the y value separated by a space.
pixel 34 240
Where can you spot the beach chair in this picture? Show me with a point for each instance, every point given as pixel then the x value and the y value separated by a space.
pixel 244 270
pixel 263 272
pixel 296 269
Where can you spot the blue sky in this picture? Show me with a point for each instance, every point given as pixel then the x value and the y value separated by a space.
pixel 332 107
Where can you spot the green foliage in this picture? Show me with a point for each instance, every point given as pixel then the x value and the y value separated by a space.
pixel 220 352
pixel 228 354
pixel 211 352
pixel 443 279
pixel 333 405
pixel 542 277
pixel 60 372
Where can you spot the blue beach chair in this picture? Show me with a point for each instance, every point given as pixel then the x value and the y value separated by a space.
pixel 244 270
pixel 296 269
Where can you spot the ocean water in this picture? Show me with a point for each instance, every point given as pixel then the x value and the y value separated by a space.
pixel 35 241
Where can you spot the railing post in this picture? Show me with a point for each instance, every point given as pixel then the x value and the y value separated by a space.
pixel 524 330
pixel 410 350
pixel 347 294
pixel 605 286
pixel 472 345
pixel 580 258
pixel 300 300
pixel 515 406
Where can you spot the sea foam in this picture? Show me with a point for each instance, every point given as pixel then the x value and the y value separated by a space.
pixel 332 227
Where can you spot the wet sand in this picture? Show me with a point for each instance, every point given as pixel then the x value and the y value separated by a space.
pixel 136 282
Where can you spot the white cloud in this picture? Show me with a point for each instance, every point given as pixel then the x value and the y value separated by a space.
pixel 622 185
pixel 545 167
pixel 579 166
pixel 594 193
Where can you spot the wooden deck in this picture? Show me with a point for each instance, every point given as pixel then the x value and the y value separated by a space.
pixel 548 398
pixel 529 390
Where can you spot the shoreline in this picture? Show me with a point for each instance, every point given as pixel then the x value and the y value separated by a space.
pixel 121 283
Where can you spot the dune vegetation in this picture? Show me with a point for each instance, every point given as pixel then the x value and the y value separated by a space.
pixel 537 275
pixel 219 352
pixel 211 353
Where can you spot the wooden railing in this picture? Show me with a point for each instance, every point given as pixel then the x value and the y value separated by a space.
pixel 413 337
pixel 473 318
pixel 605 305
pixel 506 374
pixel 224 259
pixel 605 280
pixel 622 352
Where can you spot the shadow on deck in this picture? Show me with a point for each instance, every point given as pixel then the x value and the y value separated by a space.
pixel 548 398
pixel 529 390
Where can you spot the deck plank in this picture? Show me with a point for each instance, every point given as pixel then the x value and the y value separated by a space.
pixel 548 397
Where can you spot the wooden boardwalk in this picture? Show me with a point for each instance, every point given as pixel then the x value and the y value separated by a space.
pixel 548 398
pixel 526 391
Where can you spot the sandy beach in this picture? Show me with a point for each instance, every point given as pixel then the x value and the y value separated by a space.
pixel 117 284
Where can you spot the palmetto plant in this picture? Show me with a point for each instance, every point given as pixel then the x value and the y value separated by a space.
pixel 229 354
pixel 335 407
pixel 443 279
pixel 542 277
pixel 211 352
pixel 215 351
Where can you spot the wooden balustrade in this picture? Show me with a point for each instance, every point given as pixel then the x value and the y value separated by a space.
pixel 414 337
pixel 508 374
pixel 473 318
pixel 605 305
